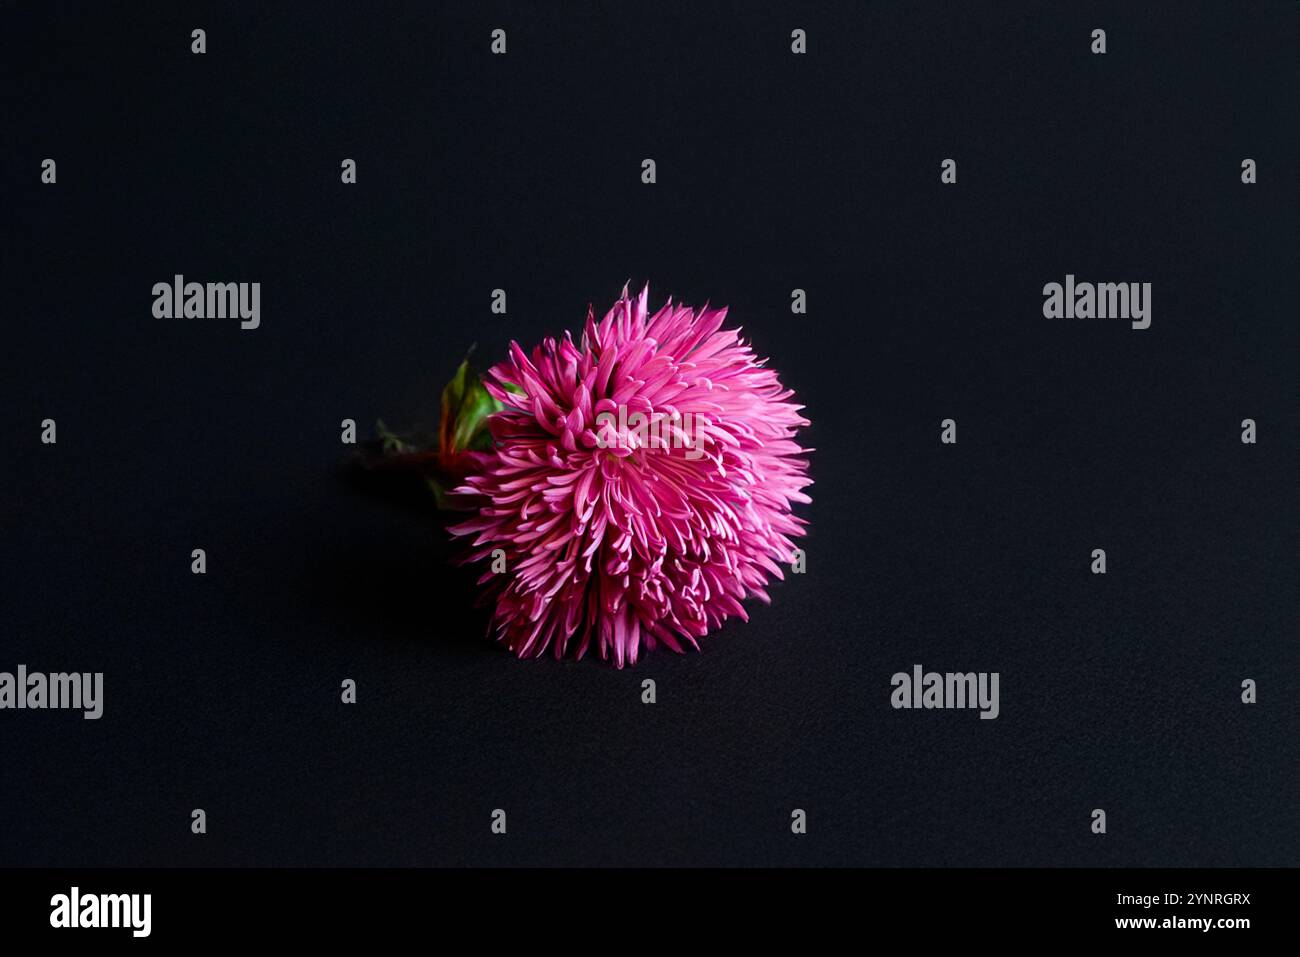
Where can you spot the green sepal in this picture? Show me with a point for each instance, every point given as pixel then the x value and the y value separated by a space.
pixel 466 405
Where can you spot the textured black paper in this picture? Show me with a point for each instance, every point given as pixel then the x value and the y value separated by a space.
pixel 775 171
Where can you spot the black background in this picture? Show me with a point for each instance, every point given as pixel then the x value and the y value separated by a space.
pixel 775 171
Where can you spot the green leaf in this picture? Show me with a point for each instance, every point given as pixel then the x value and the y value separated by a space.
pixel 466 405
pixel 389 441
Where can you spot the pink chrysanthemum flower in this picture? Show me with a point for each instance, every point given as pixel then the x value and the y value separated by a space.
pixel 640 487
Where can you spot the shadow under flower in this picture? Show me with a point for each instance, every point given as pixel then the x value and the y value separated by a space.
pixel 401 585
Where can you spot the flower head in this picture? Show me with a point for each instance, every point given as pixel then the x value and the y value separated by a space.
pixel 640 487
